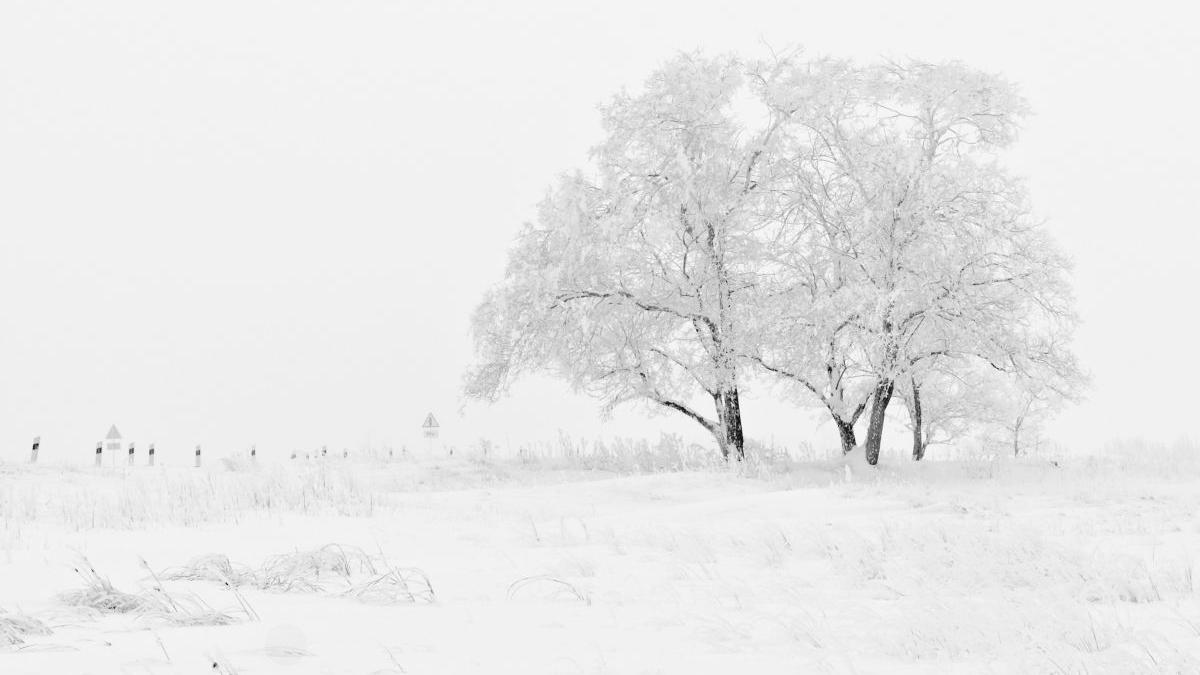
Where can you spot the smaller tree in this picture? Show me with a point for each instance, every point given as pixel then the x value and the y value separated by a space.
pixel 951 399
pixel 942 406
pixel 1022 407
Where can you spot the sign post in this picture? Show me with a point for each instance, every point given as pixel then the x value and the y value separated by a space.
pixel 430 429
pixel 37 442
pixel 112 443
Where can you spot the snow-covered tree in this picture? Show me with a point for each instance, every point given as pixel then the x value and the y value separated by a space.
pixel 849 229
pixel 630 283
pixel 947 400
pixel 906 240
pixel 805 323
pixel 1027 398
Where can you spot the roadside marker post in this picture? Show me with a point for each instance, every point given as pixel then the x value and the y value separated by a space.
pixel 37 442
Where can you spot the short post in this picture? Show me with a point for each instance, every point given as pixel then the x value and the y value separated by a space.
pixel 151 451
pixel 253 453
pixel 345 453
pixel 99 453
pixel 131 454
pixel 197 456
pixel 324 451
pixel 37 442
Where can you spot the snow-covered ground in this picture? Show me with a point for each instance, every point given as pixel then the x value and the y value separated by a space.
pixel 1088 566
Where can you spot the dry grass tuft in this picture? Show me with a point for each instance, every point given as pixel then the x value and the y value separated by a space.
pixel 155 605
pixel 214 567
pixel 99 594
pixel 14 628
pixel 398 585
pixel 311 570
pixel 548 587
pixel 333 568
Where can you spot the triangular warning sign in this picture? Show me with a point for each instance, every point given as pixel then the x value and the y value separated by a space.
pixel 113 434
pixel 430 422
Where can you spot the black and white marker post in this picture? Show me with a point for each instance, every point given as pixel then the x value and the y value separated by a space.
pixel 151 452
pixel 37 442
pixel 131 454
pixel 197 456
pixel 99 453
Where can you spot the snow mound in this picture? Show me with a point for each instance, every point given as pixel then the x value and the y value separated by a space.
pixel 854 464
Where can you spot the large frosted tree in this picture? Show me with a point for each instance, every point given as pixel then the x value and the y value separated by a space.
pixel 631 282
pixel 908 240
pixel 849 229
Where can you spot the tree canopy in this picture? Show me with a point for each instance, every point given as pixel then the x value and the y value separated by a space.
pixel 845 228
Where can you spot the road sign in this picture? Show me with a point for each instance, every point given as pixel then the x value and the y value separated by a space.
pixel 112 443
pixel 431 426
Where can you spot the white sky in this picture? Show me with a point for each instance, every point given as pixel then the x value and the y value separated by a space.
pixel 246 221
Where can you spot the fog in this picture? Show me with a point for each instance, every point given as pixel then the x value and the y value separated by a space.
pixel 268 222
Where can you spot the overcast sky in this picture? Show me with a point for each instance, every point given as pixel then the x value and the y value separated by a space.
pixel 243 221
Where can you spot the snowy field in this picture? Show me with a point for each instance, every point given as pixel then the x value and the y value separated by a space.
pixel 459 565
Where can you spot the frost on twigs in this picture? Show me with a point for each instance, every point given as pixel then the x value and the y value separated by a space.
pixel 848 231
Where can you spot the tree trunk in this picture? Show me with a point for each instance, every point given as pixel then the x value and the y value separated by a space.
pixel 883 396
pixel 1017 438
pixel 914 411
pixel 729 424
pixel 846 433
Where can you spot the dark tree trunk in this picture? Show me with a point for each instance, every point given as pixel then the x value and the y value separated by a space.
pixel 879 404
pixel 914 411
pixel 731 423
pixel 728 429
pixel 846 433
